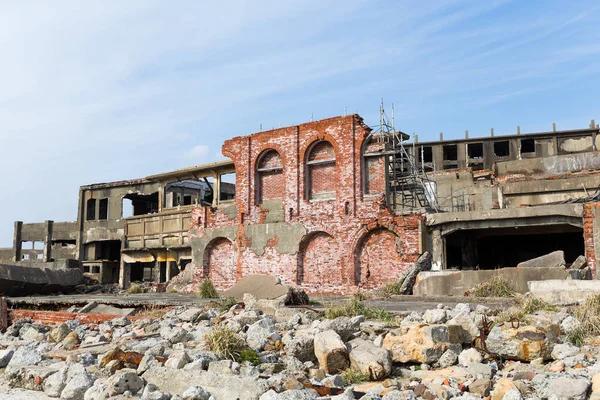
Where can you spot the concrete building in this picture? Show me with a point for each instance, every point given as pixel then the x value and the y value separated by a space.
pixel 316 204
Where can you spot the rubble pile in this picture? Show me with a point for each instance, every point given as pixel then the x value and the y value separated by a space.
pixel 200 354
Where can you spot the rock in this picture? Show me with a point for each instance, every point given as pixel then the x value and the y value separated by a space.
pixel 435 316
pixel 423 264
pixel 59 333
pixel 564 350
pixel 177 360
pixel 422 343
pixel 70 341
pixel 174 335
pixel 258 332
pixel 400 395
pixel 469 329
pixel 296 297
pixel 55 383
pixel 302 347
pixel 190 314
pixel 595 395
pixel 579 263
pixel 469 357
pixel 5 356
pixel 222 387
pixel 556 259
pixel 448 359
pixel 481 387
pixel 295 394
pixel 151 392
pixel 76 386
pixel 569 388
pixel 33 335
pixel 331 352
pixel 343 326
pixel 524 343
pixel 502 387
pixel 124 382
pixel 370 360
pixel 195 393
pixel 558 366
pixel 512 394
pixel 22 357
pixel 569 323
pixel 147 361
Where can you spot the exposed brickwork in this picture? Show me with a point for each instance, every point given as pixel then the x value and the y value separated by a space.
pixel 340 230
pixel 589 217
pixel 56 317
pixel 3 315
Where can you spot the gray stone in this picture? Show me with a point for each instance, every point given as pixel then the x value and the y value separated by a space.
pixel 191 314
pixel 423 264
pixel 258 332
pixel 55 383
pixel 302 347
pixel 568 388
pixel 298 394
pixel 435 316
pixel 76 386
pixel 343 326
pixel 333 381
pixel 177 360
pixel 512 394
pixel 448 359
pixel 124 381
pixel 400 395
pixel 372 361
pixel 331 352
pixel 569 323
pixel 147 361
pixel 60 332
pixel 564 350
pixel 24 356
pixel 579 263
pixel 151 392
pixel 195 393
pixel 469 357
pixel 174 335
pixel 469 328
pixel 556 259
pixel 5 356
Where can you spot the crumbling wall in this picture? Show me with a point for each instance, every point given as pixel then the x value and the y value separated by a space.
pixel 327 228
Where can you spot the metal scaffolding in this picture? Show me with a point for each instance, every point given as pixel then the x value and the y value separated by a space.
pixel 407 184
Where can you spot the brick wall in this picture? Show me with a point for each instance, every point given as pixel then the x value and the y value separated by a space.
pixel 351 240
pixel 591 234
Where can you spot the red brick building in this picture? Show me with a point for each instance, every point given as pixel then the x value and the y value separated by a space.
pixel 309 208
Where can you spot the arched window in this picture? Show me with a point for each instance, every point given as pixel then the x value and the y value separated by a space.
pixel 321 181
pixel 373 167
pixel 269 177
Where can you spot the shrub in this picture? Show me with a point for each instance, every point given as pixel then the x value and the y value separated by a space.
pixel 588 315
pixel 135 288
pixel 207 290
pixel 497 286
pixel 389 289
pixel 356 306
pixel 531 305
pixel 352 377
pixel 225 342
pixel 249 355
pixel 225 304
pixel 576 336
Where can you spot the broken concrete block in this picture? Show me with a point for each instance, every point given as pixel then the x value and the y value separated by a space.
pixel 331 352
pixel 370 360
pixel 579 263
pixel 556 259
pixel 422 264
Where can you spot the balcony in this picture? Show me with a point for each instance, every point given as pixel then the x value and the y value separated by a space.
pixel 167 229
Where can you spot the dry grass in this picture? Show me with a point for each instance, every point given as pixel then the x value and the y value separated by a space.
pixel 356 306
pixel 352 377
pixel 389 289
pixel 588 315
pixel 532 305
pixel 153 311
pixel 225 342
pixel 135 289
pixel 207 290
pixel 497 286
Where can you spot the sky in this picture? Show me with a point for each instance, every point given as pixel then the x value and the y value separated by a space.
pixel 102 91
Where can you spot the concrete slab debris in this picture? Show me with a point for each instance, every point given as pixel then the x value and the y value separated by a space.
pixel 260 286
pixel 564 292
pixel 556 259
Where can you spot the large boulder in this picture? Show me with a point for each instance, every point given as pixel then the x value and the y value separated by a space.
pixel 556 259
pixel 370 360
pixel 423 264
pixel 331 352
pixel 525 343
pixel 422 343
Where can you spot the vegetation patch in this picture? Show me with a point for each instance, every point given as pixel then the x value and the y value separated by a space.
pixel 588 315
pixel 389 289
pixel 352 377
pixel 356 306
pixel 497 286
pixel 135 289
pixel 207 290
pixel 225 342
pixel 249 355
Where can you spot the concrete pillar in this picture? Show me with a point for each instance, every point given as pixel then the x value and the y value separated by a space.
pixel 124 275
pixel 17 239
pixel 437 251
pixel 48 226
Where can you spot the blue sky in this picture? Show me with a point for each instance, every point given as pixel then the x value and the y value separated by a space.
pixel 101 91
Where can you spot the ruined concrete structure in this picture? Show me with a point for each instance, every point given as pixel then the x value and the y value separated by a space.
pixel 318 205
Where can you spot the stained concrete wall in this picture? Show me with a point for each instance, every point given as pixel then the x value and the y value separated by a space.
pixel 457 283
